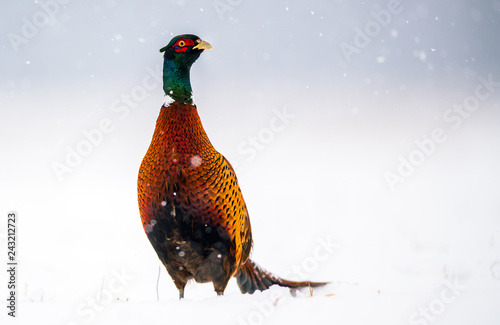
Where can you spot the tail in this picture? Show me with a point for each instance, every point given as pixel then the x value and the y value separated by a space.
pixel 252 277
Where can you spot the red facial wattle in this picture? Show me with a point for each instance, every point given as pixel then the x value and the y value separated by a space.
pixel 182 45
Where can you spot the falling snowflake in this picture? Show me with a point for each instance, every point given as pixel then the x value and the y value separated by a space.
pixel 196 161
pixel 420 55
pixel 150 226
pixel 495 270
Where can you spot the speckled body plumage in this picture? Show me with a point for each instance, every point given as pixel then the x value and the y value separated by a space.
pixel 191 205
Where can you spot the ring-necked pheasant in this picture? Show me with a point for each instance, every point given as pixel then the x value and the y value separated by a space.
pixel 190 202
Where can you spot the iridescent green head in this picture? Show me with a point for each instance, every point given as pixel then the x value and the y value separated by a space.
pixel 179 55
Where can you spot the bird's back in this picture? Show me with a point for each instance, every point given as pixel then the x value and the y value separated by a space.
pixel 190 202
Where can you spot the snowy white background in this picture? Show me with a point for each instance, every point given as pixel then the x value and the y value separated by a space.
pixel 424 251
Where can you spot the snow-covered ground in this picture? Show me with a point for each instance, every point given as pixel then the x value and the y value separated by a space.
pixel 375 168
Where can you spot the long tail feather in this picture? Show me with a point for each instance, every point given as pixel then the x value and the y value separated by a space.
pixel 252 277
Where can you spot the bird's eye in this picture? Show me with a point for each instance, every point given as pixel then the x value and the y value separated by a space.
pixel 182 45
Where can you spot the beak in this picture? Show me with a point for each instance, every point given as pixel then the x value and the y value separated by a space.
pixel 204 45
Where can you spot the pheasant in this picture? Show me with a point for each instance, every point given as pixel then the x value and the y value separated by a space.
pixel 190 203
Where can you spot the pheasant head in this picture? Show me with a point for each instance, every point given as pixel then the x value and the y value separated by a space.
pixel 179 55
